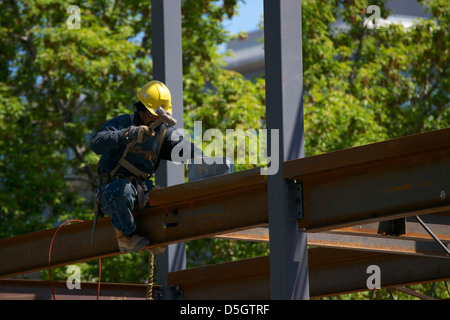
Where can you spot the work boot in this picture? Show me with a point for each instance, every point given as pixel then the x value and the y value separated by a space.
pixel 157 250
pixel 131 242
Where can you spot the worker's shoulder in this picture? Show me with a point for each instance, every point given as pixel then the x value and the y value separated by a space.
pixel 124 120
pixel 170 130
pixel 175 135
pixel 125 117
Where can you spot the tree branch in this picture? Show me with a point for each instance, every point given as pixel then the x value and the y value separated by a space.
pixel 357 57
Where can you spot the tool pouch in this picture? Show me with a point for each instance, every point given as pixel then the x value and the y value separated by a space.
pixel 104 179
pixel 97 211
pixel 142 194
pixel 98 194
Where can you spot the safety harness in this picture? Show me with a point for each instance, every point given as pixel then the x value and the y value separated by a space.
pixel 138 176
pixel 131 168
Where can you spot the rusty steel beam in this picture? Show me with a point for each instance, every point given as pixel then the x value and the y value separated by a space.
pixel 260 234
pixel 366 237
pixel 357 240
pixel 381 181
pixel 178 213
pixel 244 279
pixel 338 271
pixel 331 271
pixel 29 252
pixel 439 224
pixel 377 244
pixel 22 289
pixel 390 179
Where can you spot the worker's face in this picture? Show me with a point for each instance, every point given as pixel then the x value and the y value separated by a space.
pixel 147 118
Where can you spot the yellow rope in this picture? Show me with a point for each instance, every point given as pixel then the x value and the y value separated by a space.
pixel 150 276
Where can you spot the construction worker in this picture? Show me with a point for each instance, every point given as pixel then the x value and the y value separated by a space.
pixel 124 187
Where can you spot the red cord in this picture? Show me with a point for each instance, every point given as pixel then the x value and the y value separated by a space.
pixel 49 259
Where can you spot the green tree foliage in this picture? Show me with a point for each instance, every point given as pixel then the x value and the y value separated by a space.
pixel 365 85
pixel 58 85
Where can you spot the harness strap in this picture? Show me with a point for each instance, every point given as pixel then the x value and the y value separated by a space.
pixel 162 134
pixel 135 171
pixel 131 168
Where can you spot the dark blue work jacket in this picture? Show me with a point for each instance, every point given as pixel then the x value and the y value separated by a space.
pixel 110 143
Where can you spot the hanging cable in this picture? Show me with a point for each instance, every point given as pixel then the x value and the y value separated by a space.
pixel 446 286
pixel 50 254
pixel 433 235
pixel 391 294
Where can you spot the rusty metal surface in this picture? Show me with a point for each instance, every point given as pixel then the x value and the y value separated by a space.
pixel 260 234
pixel 198 209
pixel 357 240
pixel 204 189
pixel 339 271
pixel 365 237
pixel 331 272
pixel 386 180
pixel 377 244
pixel 21 289
pixel 346 193
pixel 440 224
pixel 244 279
pixel 369 155
pixel 29 252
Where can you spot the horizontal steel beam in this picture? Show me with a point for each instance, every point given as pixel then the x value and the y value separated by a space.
pixel 377 182
pixel 356 241
pixel 178 213
pixel 386 244
pixel 381 181
pixel 245 279
pixel 21 289
pixel 366 237
pixel 331 272
pixel 439 224
pixel 338 271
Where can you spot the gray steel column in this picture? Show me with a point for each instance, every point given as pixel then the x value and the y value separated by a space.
pixel 168 68
pixel 284 111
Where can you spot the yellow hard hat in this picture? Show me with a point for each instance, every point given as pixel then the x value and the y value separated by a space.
pixel 155 94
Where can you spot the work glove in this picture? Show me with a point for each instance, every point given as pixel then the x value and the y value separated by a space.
pixel 139 134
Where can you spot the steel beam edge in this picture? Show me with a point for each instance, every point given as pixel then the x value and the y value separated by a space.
pixel 183 212
pixel 352 241
pixel 31 289
pixel 381 181
pixel 331 272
